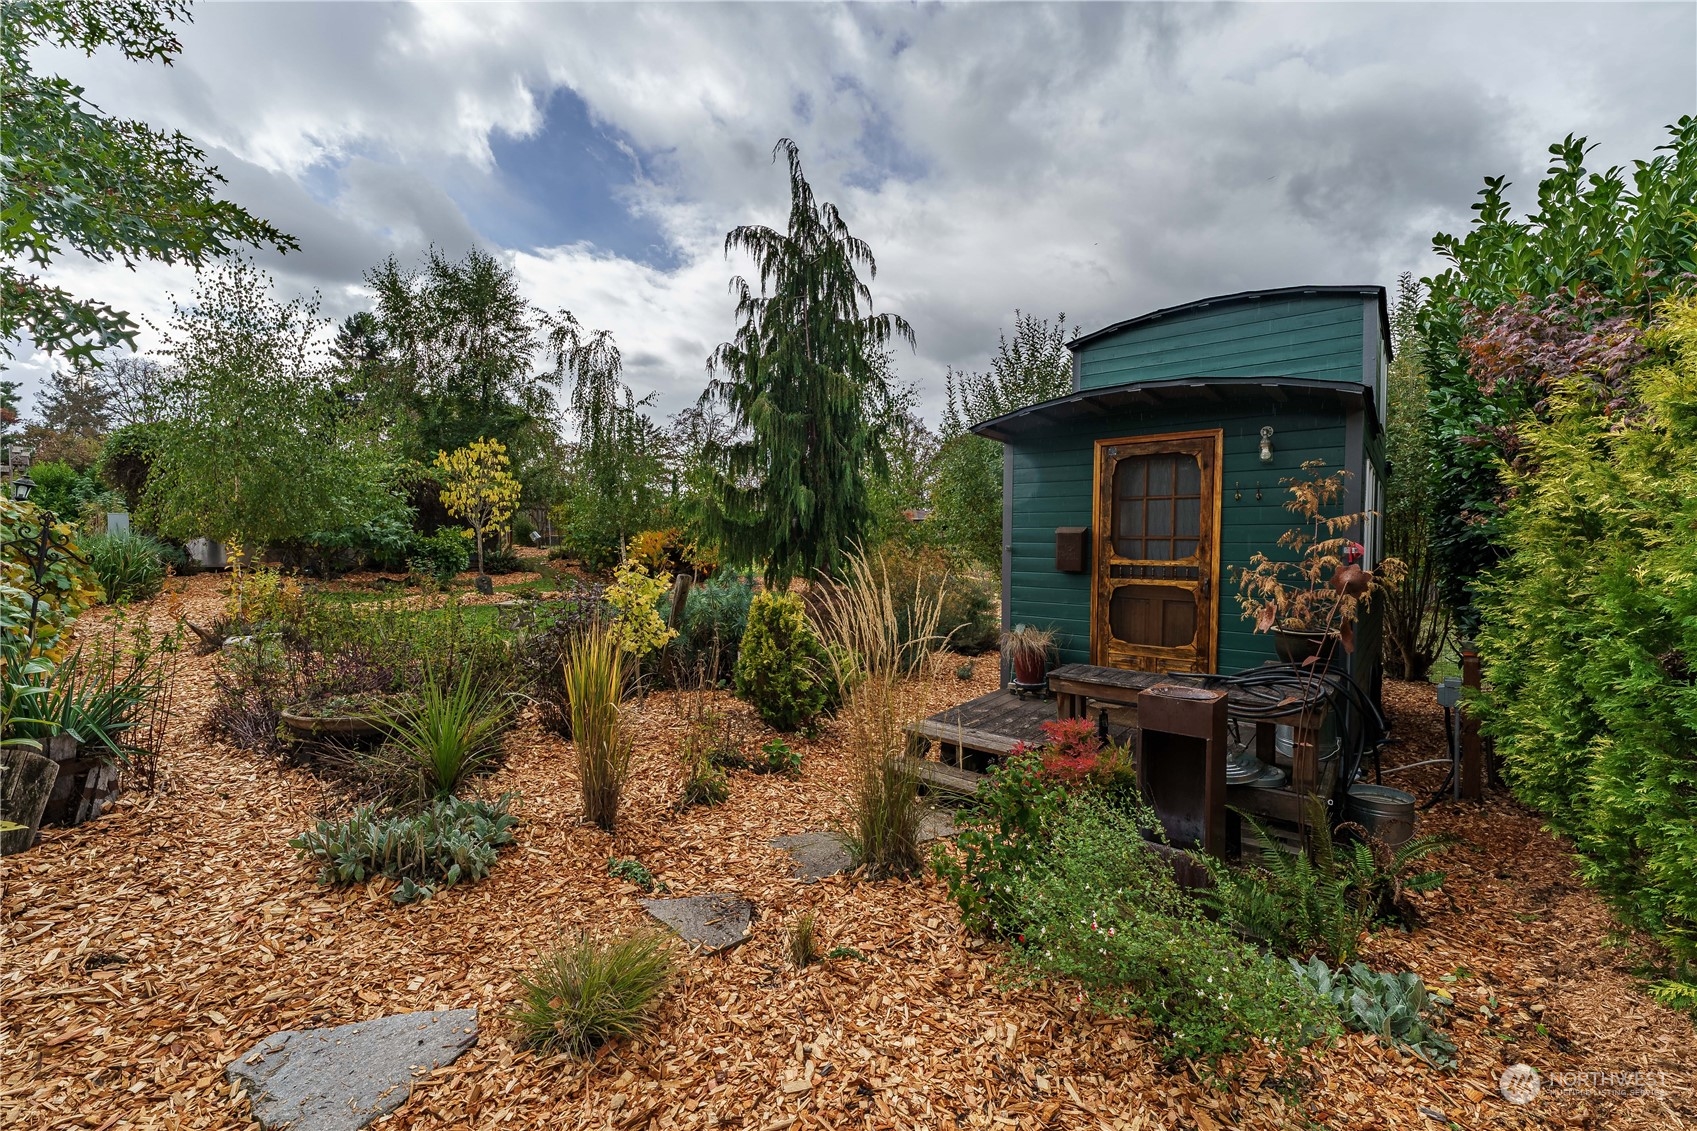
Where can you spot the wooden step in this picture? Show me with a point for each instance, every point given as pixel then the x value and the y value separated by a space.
pixel 943 778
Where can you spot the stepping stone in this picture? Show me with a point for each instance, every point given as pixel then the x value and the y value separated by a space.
pixel 711 922
pixel 937 824
pixel 816 855
pixel 341 1079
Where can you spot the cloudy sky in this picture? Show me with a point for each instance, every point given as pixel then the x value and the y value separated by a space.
pixel 1101 159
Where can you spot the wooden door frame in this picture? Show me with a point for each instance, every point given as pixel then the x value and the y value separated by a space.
pixel 1101 523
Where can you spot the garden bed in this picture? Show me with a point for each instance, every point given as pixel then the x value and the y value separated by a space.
pixel 148 949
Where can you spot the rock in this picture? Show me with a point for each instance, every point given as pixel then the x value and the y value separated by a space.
pixel 341 1079
pixel 937 824
pixel 711 922
pixel 485 584
pixel 816 855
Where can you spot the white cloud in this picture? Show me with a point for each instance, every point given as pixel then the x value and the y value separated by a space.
pixel 1101 159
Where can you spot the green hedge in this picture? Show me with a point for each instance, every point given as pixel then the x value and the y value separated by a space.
pixel 1590 632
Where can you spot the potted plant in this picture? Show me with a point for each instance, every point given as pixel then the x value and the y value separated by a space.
pixel 1027 646
pixel 1311 604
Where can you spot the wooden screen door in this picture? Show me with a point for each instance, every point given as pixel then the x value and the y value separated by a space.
pixel 1155 604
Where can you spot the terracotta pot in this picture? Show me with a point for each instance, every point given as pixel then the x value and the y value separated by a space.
pixel 1030 667
pixel 1296 647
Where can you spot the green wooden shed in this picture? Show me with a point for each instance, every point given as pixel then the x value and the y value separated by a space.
pixel 1126 504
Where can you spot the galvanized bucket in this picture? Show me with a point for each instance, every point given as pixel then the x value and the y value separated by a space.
pixel 1385 812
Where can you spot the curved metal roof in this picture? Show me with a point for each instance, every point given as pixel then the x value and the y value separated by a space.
pixel 1248 296
pixel 1093 404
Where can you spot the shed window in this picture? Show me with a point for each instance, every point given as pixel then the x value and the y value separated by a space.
pixel 1157 507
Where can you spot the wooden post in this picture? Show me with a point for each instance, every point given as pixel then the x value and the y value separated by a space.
pixel 26 782
pixel 1305 752
pixel 1472 746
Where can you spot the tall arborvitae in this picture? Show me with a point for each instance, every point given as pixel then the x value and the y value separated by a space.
pixel 804 386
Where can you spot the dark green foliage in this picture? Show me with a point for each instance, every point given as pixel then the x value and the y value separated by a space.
pixel 1623 236
pixel 65 491
pixel 126 458
pixel 585 994
pixel 806 382
pixel 1101 907
pixel 1590 637
pixel 1003 834
pixel 131 567
pixel 442 556
pixel 1319 901
pixel 1396 1008
pixel 967 494
pixel 448 355
pixel 384 537
pixel 102 188
pixel 1416 622
pixel 779 757
pixel 845 952
pixel 781 667
pixel 449 842
pixel 715 618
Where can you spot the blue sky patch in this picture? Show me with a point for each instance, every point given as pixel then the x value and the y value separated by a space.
pixel 565 183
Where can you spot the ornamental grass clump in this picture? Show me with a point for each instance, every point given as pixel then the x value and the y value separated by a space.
pixel 801 940
pixel 871 651
pixel 585 994
pixel 594 683
pixel 444 735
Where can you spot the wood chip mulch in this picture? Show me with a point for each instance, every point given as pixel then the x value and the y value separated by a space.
pixel 146 950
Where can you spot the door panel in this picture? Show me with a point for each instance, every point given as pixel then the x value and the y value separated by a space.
pixel 1155 601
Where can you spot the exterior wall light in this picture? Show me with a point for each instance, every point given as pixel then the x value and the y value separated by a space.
pixel 1267 443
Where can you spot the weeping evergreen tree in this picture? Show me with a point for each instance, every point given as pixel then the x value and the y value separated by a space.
pixel 805 389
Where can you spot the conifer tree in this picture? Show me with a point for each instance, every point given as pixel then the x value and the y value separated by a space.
pixel 805 390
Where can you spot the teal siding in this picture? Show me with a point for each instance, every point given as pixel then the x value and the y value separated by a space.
pixel 1315 336
pixel 1053 482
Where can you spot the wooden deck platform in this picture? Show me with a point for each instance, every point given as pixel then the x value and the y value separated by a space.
pixel 968 739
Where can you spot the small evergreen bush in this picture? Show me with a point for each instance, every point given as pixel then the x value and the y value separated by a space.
pixel 583 995
pixel 715 618
pixel 131 567
pixel 781 667
pixel 452 841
